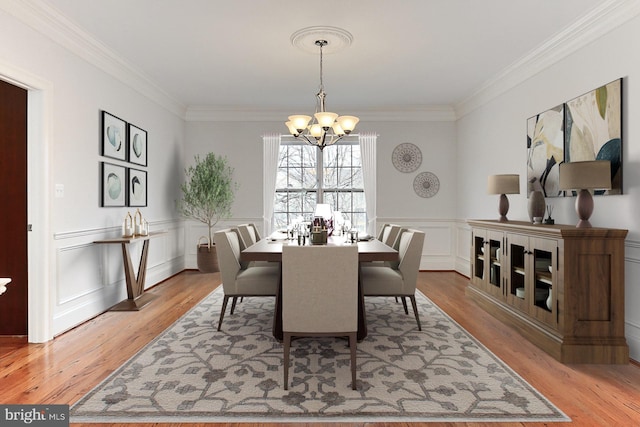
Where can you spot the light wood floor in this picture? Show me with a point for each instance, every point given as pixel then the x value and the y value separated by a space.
pixel 63 370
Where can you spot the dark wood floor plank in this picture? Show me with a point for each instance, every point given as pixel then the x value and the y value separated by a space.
pixel 63 370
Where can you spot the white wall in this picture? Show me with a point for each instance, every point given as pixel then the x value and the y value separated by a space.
pixel 241 143
pixel 492 139
pixel 86 279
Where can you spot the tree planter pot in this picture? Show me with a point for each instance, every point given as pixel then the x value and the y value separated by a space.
pixel 207 258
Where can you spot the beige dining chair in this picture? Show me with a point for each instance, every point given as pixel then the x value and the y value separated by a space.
pixel 320 296
pixel 397 281
pixel 249 234
pixel 237 281
pixel 389 234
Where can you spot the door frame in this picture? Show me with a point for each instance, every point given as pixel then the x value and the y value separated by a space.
pixel 39 142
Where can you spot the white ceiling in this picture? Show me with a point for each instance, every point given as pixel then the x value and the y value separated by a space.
pixel 405 53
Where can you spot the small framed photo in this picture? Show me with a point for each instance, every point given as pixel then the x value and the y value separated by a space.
pixel 114 142
pixel 113 184
pixel 137 183
pixel 137 145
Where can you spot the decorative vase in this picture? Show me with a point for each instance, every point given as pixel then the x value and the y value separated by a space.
pixel 536 204
pixel 549 301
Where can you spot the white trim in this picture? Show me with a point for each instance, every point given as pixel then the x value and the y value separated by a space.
pixel 203 113
pixel 598 22
pixel 39 141
pixel 45 19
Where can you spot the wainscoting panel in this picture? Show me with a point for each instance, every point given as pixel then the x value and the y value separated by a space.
pixel 89 278
pixel 632 293
pixel 438 252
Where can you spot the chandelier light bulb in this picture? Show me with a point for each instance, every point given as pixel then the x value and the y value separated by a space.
pixel 348 123
pixel 326 119
pixel 300 122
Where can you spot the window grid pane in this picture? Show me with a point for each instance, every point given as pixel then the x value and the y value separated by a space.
pixel 302 183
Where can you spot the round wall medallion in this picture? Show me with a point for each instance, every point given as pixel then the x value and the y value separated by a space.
pixel 406 157
pixel 426 184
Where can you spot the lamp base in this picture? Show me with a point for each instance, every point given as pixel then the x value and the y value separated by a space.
pixel 584 208
pixel 503 208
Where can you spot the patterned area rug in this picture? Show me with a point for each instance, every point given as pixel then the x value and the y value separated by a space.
pixel 193 373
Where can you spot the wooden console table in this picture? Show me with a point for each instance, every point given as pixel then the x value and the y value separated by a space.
pixel 136 298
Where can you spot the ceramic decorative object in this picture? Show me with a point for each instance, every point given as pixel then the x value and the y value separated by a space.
pixel 406 157
pixel 426 184
pixel 536 206
pixel 549 299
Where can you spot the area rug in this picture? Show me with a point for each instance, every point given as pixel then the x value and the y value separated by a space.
pixel 193 373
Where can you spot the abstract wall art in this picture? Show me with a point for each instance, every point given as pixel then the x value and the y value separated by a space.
pixel 545 151
pixel 137 183
pixel 137 145
pixel 114 143
pixel 593 130
pixel 113 185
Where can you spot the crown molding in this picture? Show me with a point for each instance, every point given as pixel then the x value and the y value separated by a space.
pixel 52 24
pixel 204 113
pixel 601 20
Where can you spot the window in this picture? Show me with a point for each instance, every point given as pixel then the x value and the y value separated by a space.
pixel 307 176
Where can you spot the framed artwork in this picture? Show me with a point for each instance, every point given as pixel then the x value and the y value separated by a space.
pixel 593 129
pixel 137 145
pixel 137 184
pixel 112 185
pixel 114 141
pixel 545 151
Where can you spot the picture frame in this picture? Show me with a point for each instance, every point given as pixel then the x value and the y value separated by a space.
pixel 137 138
pixel 114 138
pixel 137 188
pixel 545 151
pixel 593 130
pixel 113 185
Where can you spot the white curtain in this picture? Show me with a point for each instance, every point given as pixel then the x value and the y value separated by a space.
pixel 270 154
pixel 368 153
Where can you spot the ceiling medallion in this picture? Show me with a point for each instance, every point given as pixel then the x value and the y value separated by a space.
pixel 426 184
pixel 336 39
pixel 406 157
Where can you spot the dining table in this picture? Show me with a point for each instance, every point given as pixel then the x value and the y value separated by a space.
pixel 270 249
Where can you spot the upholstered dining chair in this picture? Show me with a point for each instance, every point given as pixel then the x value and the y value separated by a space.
pixel 389 234
pixel 238 281
pixel 320 296
pixel 398 279
pixel 248 234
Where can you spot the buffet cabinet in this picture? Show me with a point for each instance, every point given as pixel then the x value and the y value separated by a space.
pixel 560 286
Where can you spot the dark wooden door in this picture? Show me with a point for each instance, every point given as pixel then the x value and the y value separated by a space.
pixel 13 209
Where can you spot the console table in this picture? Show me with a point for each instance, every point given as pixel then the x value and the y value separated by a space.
pixel 136 298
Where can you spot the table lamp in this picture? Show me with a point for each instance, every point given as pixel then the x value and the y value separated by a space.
pixel 503 184
pixel 585 176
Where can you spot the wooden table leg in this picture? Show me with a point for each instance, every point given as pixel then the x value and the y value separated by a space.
pixel 136 298
pixel 277 314
pixel 362 315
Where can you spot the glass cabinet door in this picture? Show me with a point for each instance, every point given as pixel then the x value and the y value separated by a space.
pixel 477 257
pixel 517 289
pixel 493 256
pixel 545 268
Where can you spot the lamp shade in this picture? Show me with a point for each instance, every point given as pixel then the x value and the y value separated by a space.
pixel 590 175
pixel 503 184
pixel 324 210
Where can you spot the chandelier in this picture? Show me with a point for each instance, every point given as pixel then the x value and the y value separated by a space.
pixel 325 128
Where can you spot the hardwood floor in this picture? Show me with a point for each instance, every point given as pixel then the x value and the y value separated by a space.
pixel 63 370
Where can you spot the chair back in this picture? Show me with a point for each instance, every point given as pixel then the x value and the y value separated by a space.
pixel 410 253
pixel 390 234
pixel 320 289
pixel 247 234
pixel 383 230
pixel 228 250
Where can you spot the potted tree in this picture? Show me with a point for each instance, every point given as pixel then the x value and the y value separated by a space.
pixel 207 195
